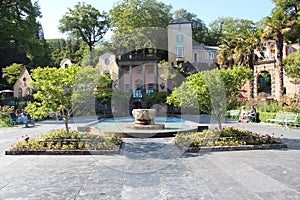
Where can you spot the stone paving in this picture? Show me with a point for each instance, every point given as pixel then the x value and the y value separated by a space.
pixel 153 169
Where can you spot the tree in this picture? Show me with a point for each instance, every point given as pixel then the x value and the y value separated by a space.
pixel 292 66
pixel 53 88
pixel 20 41
pixel 68 90
pixel 276 26
pixel 199 29
pixel 292 9
pixel 86 23
pixel 139 24
pixel 12 72
pixel 200 91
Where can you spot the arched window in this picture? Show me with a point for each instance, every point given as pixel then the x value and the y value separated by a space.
pixel 20 92
pixel 27 91
pixel 195 57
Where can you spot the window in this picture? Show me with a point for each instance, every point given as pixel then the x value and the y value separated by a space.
pixel 209 55
pixel 150 86
pixel 20 92
pixel 195 57
pixel 179 38
pixel 127 87
pixel 27 91
pixel 290 51
pixel 150 69
pixel 180 52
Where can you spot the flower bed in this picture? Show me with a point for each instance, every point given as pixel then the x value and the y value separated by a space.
pixel 61 142
pixel 229 138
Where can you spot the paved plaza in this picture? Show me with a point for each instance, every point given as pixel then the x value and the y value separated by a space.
pixel 154 169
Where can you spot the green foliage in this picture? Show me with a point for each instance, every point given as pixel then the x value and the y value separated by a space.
pixel 72 48
pixel 86 23
pixel 131 14
pixel 53 89
pixel 239 39
pixel 196 91
pixel 156 98
pixel 66 140
pixel 21 35
pixel 273 106
pixel 292 66
pixel 4 119
pixel 135 23
pixel 12 72
pixel 229 136
pixel 263 116
pixel 65 90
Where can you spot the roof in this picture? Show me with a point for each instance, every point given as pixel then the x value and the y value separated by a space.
pixel 180 21
pixel 207 48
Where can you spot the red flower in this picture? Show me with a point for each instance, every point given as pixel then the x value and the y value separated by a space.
pixel 267 135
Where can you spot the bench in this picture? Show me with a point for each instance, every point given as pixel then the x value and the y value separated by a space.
pixel 234 114
pixel 291 118
pixel 284 118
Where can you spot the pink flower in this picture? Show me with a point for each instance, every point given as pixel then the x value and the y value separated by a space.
pixel 22 136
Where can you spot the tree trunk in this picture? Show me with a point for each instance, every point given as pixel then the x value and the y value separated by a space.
pixel 251 66
pixel 66 120
pixel 279 56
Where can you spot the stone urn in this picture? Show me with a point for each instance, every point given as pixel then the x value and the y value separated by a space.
pixel 144 116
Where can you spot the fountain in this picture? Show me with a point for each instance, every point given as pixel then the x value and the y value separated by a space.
pixel 144 119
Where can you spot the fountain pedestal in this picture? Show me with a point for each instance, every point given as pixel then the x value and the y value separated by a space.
pixel 144 119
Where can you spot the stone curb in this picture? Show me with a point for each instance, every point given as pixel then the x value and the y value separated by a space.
pixel 232 148
pixel 65 152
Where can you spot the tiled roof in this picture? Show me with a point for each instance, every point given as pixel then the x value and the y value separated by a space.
pixel 180 21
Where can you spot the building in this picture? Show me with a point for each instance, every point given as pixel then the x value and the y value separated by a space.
pixel 21 87
pixel 139 70
pixel 266 74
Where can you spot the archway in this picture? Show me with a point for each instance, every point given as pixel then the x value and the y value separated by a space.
pixel 264 82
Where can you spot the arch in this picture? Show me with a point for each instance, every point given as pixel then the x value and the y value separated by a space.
pixel 27 91
pixel 19 92
pixel 264 82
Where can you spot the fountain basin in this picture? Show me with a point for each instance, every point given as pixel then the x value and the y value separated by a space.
pixel 117 126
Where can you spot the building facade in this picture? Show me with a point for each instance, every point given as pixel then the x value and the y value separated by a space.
pixel 21 87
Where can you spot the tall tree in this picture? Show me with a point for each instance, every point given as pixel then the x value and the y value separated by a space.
pixel 19 35
pixel 292 9
pixel 276 26
pixel 86 23
pixel 138 24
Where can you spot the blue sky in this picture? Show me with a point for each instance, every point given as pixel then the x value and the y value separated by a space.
pixel 206 10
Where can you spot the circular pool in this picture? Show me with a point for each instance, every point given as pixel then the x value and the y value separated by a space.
pixel 119 126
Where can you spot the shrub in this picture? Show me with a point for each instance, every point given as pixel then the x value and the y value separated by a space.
pixel 229 136
pixel 62 140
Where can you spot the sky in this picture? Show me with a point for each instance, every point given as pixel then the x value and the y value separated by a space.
pixel 206 10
